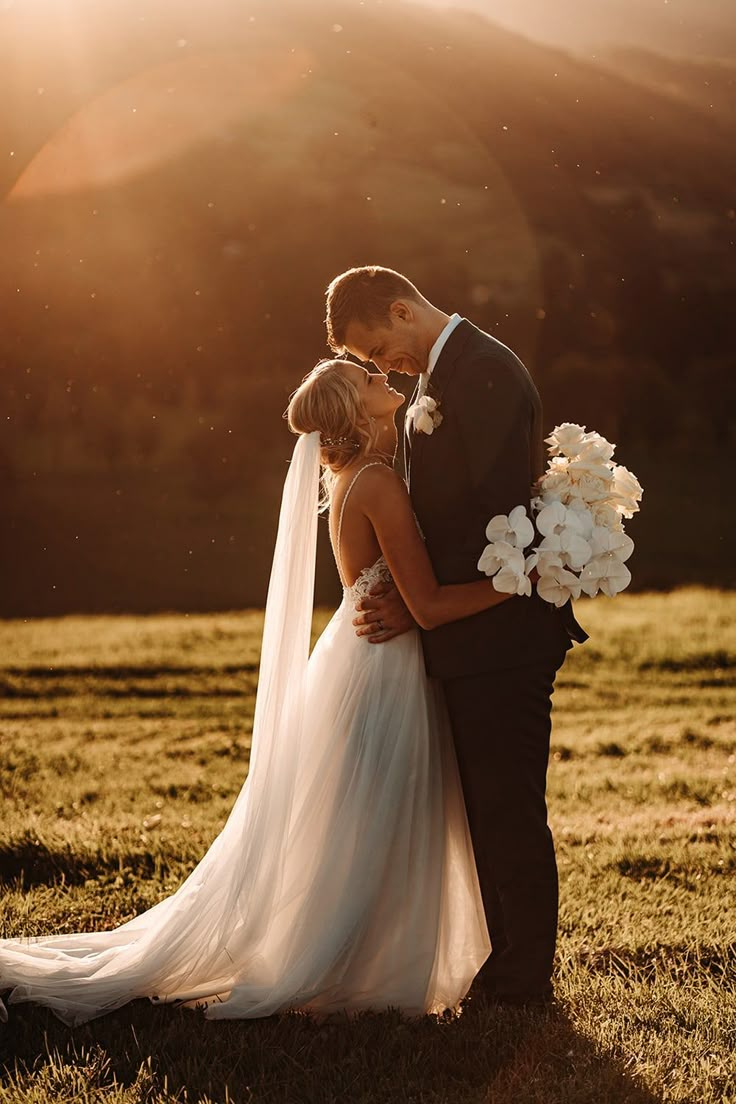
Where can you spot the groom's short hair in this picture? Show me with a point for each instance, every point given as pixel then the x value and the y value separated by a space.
pixel 363 295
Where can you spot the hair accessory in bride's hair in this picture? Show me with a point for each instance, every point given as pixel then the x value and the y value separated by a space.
pixel 338 442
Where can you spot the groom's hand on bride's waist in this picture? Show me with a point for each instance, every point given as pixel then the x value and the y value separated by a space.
pixel 382 615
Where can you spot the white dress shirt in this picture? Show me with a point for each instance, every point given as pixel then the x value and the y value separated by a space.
pixel 434 354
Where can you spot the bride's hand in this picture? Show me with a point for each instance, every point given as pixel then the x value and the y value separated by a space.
pixel 383 615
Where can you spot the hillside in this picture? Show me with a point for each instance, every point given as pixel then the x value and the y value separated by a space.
pixel 709 85
pixel 185 182
pixel 680 28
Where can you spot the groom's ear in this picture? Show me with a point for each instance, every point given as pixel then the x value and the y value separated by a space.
pixel 401 311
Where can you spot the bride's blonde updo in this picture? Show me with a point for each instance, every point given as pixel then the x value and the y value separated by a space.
pixel 327 401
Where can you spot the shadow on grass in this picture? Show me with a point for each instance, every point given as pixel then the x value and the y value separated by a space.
pixel 499 1056
pixel 28 861
pixel 719 659
pixel 118 671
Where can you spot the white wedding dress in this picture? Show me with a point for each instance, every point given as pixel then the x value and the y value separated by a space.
pixel 344 878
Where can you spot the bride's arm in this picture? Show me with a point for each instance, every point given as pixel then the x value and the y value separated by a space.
pixel 386 504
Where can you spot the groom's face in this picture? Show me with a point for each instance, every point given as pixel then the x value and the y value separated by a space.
pixel 393 346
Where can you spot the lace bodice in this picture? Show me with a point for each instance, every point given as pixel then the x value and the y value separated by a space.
pixel 377 572
pixel 368 578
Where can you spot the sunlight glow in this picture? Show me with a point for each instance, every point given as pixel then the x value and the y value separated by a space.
pixel 156 115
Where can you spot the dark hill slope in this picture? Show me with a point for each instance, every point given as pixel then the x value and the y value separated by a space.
pixel 190 178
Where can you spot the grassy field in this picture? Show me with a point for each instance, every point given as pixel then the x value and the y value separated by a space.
pixel 125 741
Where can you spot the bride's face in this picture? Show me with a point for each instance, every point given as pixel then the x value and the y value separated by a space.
pixel 379 400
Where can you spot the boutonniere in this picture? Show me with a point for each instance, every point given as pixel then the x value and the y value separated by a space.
pixel 425 415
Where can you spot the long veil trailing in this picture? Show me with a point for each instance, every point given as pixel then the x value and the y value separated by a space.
pixel 344 878
pixel 199 942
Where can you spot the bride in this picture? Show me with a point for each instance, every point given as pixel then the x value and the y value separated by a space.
pixel 344 877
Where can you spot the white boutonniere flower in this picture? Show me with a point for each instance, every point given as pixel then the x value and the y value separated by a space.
pixel 425 415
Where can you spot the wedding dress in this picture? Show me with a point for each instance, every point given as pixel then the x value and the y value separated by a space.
pixel 344 877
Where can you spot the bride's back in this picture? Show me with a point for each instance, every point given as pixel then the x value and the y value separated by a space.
pixel 353 538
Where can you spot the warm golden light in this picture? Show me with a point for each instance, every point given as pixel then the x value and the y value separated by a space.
pixel 158 114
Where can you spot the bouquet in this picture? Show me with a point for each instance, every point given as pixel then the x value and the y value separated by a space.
pixel 578 513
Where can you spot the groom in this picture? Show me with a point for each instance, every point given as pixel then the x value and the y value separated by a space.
pixel 497 668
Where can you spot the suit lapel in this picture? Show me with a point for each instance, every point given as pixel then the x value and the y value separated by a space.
pixel 443 372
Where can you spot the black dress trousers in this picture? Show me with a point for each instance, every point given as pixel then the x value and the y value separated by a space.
pixel 501 725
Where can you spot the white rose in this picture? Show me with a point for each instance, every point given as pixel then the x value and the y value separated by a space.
pixel 626 491
pixel 424 415
pixel 566 439
pixel 587 465
pixel 557 484
pixel 591 488
pixel 596 449
pixel 606 515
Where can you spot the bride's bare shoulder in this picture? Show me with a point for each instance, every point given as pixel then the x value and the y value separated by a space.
pixel 380 486
pixel 377 480
pixel 380 477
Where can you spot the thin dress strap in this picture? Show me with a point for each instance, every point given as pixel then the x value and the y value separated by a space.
pixel 338 557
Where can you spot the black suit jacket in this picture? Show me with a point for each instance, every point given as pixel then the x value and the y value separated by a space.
pixel 481 461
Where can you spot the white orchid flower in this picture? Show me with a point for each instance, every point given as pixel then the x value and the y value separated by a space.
pixel 572 549
pixel 544 559
pixel 512 581
pixel 558 586
pixel 514 528
pixel 604 541
pixel 500 554
pixel 552 519
pixel 606 573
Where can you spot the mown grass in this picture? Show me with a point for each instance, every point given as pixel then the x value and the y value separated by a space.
pixel 125 741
